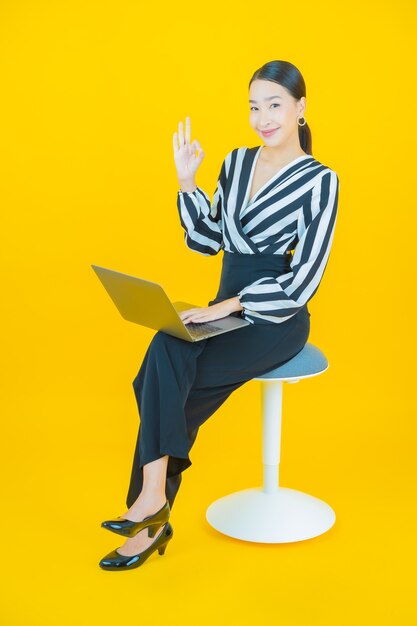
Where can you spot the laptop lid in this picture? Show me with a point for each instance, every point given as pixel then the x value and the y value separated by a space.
pixel 141 301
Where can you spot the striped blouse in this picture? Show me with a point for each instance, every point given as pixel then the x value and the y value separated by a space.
pixel 294 210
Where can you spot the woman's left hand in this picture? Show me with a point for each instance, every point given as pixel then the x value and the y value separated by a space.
pixel 213 312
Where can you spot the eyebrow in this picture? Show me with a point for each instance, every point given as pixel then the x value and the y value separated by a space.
pixel 270 98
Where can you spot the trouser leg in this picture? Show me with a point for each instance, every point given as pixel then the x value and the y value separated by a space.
pixel 173 480
pixel 199 406
pixel 170 410
pixel 161 389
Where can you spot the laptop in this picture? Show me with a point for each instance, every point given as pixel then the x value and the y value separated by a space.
pixel 146 303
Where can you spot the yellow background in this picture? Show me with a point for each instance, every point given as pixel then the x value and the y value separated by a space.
pixel 92 93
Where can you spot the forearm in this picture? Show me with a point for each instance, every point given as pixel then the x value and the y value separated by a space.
pixel 203 233
pixel 234 304
pixel 211 312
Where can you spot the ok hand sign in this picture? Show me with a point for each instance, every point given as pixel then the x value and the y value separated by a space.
pixel 186 160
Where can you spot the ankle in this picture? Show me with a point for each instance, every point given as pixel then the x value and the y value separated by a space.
pixel 150 500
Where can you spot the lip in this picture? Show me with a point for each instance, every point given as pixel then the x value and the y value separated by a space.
pixel 268 133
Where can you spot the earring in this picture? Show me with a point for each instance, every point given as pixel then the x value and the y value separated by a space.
pixel 305 122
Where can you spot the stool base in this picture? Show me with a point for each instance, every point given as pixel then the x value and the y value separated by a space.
pixel 283 516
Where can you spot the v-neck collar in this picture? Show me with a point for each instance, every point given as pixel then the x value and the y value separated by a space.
pixel 271 179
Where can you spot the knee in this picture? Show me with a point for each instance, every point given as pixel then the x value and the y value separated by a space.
pixel 151 355
pixel 158 338
pixel 158 344
pixel 162 340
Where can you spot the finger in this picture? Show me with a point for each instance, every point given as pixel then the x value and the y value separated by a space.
pixel 193 318
pixel 175 141
pixel 200 317
pixel 193 148
pixel 187 313
pixel 181 133
pixel 200 150
pixel 190 318
pixel 187 129
pixel 198 320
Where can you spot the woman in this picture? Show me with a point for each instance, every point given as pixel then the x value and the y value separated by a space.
pixel 269 200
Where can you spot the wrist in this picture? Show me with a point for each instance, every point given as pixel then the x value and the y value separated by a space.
pixel 187 185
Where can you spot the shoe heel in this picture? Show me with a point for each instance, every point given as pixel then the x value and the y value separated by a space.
pixel 168 533
pixel 162 548
pixel 152 530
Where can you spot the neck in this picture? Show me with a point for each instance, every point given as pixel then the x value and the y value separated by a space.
pixel 278 155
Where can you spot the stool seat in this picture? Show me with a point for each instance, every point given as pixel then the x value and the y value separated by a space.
pixel 310 361
pixel 272 513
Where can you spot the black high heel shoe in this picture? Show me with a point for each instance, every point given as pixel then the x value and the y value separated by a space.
pixel 115 561
pixel 129 528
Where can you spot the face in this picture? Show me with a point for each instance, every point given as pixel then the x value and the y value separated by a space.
pixel 273 108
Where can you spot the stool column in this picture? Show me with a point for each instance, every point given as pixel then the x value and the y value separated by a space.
pixel 271 392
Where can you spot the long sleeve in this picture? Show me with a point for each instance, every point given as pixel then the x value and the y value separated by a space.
pixel 284 295
pixel 202 220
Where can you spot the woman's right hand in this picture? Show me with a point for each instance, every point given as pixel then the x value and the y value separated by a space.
pixel 186 160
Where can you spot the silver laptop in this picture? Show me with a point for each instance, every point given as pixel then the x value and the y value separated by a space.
pixel 146 303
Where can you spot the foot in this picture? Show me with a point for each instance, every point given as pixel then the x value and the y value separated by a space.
pixel 136 513
pixel 138 543
pixel 143 507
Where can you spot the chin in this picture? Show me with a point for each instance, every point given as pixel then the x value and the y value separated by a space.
pixel 276 138
pixel 271 141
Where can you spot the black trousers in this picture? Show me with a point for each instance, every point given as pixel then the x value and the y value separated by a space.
pixel 180 384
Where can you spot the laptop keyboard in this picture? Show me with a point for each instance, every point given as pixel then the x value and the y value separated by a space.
pixel 201 329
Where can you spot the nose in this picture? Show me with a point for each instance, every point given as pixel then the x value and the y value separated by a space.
pixel 264 120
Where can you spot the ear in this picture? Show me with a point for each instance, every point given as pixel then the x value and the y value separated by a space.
pixel 302 104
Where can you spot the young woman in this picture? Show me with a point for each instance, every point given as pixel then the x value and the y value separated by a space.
pixel 273 214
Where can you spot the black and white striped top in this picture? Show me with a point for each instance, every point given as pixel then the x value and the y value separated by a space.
pixel 294 210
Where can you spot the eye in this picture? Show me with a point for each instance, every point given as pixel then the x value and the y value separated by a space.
pixel 272 105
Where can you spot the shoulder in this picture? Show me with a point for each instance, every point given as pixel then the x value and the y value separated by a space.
pixel 325 188
pixel 324 178
pixel 324 173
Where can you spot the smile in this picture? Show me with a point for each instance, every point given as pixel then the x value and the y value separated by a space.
pixel 268 133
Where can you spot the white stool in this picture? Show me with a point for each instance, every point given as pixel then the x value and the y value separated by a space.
pixel 274 514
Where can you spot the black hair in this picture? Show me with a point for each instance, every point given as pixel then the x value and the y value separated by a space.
pixel 288 76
